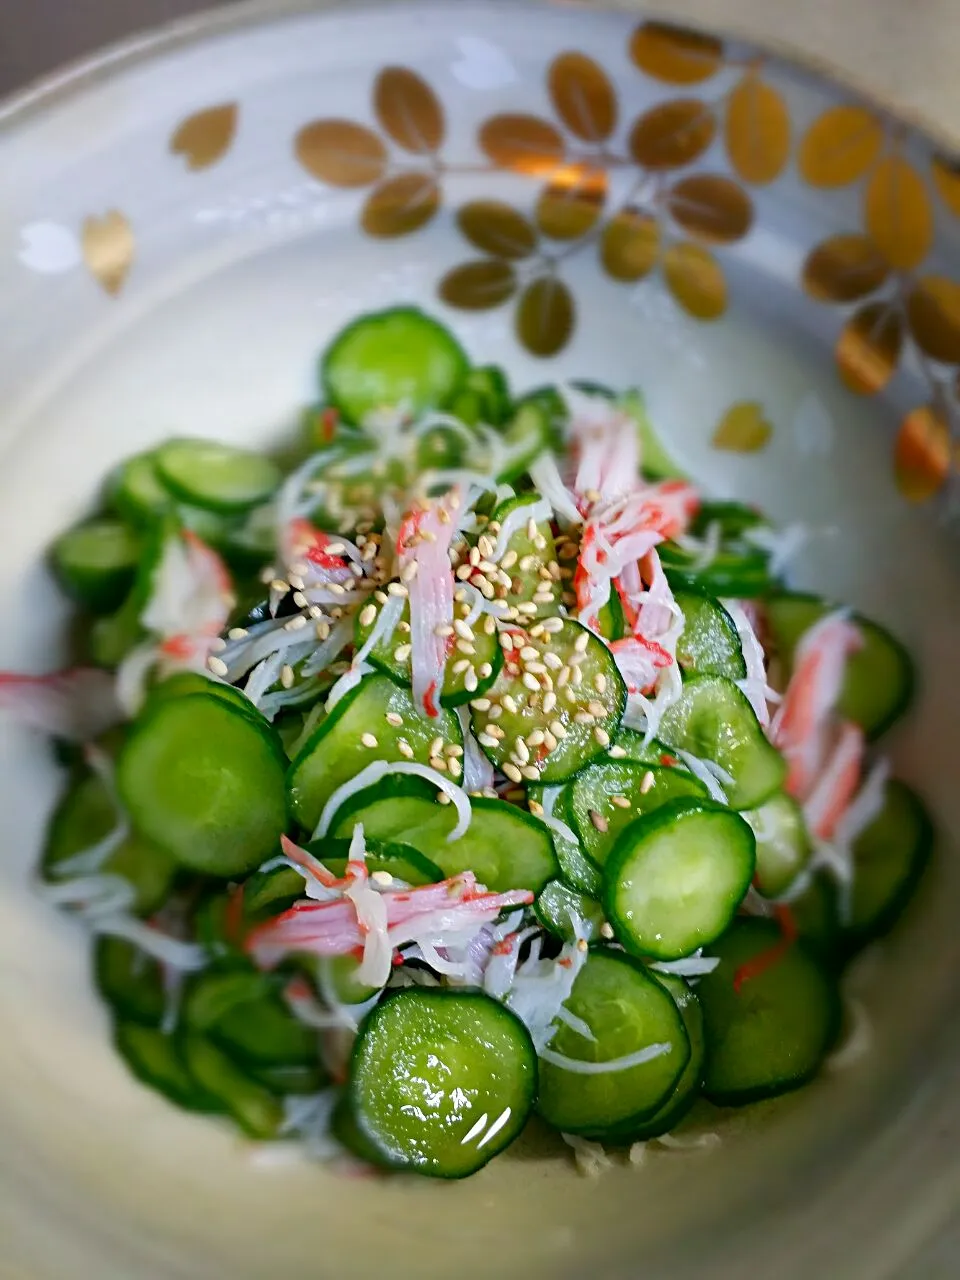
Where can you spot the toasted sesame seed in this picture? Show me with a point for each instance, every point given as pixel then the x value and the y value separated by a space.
pixel 540 542
pixel 322 630
pixel 531 528
pixel 480 704
pixel 602 736
pixel 460 666
pixel 300 600
pixel 549 701
pixel 558 729
pixel 335 549
pixel 286 676
pixel 489 624
pixel 536 668
pixel 296 623
pixel 394 718
pixel 337 588
pixel 381 877
pixel 380 597
pixel 584 717
pixel 537 630
pixel 397 589
pixel 443 515
pixel 528 608
pixel 570 694
pixel 646 782
pixel 509 560
pixel 606 930
pixel 464 646
pixel 217 666
pixel 496 711
pixel 438 763
pixel 526 563
pixel 369 740
pixel 504 579
pixel 238 633
pixel 553 625
pixel 485 670
pixel 506 641
pixel 486 546
pixel 464 571
pixel 453 749
pixel 596 708
pixel 296 581
pixel 470 680
pixel 474 556
pixel 598 820
pixel 620 801
pixel 462 630
pixel 544 572
pixel 280 586
pixel 402 652
pixel 563 676
pixel 496 732
pixel 535 738
pixel 512 772
pixel 536 808
pixel 455 767
pixel 521 750
pixel 549 741
pixel 268 574
pixel 531 772
pixel 529 654
pixel 443 798
pixel 576 677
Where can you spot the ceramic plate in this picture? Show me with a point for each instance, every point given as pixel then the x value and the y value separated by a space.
pixel 182 227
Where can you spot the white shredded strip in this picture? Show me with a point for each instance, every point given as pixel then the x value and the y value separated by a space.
pixel 516 521
pixel 379 769
pixel 579 1067
pixel 590 1157
pixel 713 776
pixel 693 966
pixel 188 956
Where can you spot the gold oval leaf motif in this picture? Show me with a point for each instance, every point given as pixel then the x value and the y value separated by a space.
pixel 933 312
pixel 743 428
pixel 583 96
pixel 572 203
pixel 844 268
pixel 495 227
pixel 408 110
pixel 921 456
pixel 711 207
pixel 868 349
pixel 946 175
pixel 526 144
pixel 675 55
pixel 545 316
pixel 108 246
pixel 840 146
pixel 205 137
pixel 695 278
pixel 757 130
pixel 630 246
pixel 672 133
pixel 400 205
pixel 341 153
pixel 478 286
pixel 897 213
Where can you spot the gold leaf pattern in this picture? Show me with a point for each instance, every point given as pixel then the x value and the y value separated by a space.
pixel 844 268
pixel 672 133
pixel 479 285
pixel 205 137
pixel 897 213
pixel 400 205
pixel 868 349
pixel 583 96
pixel 946 175
pixel 695 279
pixel 108 246
pixel 921 458
pixel 743 428
pixel 545 316
pixel 630 245
pixel 674 55
pixel 572 203
pixel 712 207
pixel 933 310
pixel 495 227
pixel 341 153
pixel 840 146
pixel 524 143
pixel 757 130
pixel 408 110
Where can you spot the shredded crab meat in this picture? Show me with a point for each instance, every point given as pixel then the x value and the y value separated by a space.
pixel 755 685
pixel 605 440
pixel 423 547
pixel 77 704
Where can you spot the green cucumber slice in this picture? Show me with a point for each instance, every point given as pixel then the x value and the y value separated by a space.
pixel 879 679
pixel 336 752
pixel 526 436
pixel 735 574
pixel 96 563
pixel 527 557
pixel 258 1111
pixel 783 844
pixel 631 745
pixel 575 867
pixel 441 1081
pixel 111 638
pixel 399 358
pixel 155 1059
pixel 888 859
pixel 183 683
pixel 578 689
pixel 466 675
pixel 557 903
pixel 687 1089
pixel 771 1034
pixel 204 782
pixel 136 491
pixel 627 1011
pixel 394 858
pixel 606 797
pixel 712 719
pixel 243 1011
pixel 676 877
pixel 216 477
pixel 130 981
pixel 709 644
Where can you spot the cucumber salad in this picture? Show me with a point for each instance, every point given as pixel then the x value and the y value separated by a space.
pixel 464 764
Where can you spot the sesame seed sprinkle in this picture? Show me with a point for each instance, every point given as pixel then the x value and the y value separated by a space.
pixel 602 736
pixel 369 740
pixel 217 666
pixel 646 782
pixel 405 749
pixel 618 753
pixel 410 571
pixel 394 718
pixel 237 633
pixel 396 589
pixel 287 676
pixel 402 652
pixel 620 801
pixel 598 820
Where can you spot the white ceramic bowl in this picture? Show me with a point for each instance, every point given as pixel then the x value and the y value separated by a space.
pixel 178 244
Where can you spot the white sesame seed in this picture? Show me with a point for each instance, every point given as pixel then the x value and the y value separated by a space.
pixel 296 581
pixel 606 930
pixel 322 630
pixel 584 717
pixel 217 645
pixel 238 633
pixel 464 571
pixel 549 701
pixel 404 627
pixel 267 575
pixel 528 653
pixel 536 668
pixel 489 624
pixel 286 676
pixel 528 608
pixel 617 752
pixel 443 798
pixel 464 646
pixel 380 597
pixel 300 600
pixel 474 556
pixel 369 740
pixel 485 545
pixel 553 625
pixel 530 682
pixel 460 666
pixel 280 586
pixel 535 738
pixel 438 763
pixel 443 630
pixel 470 680
pixel 576 677
pixel 395 589
pixel 296 623
pixel 485 670
pixel 217 666
pixel 521 751
pixel 409 572
pixel 509 560
pixel 598 820
pixel 512 772
pixel 486 740
pixel 335 549
pixel 526 563
pixel 481 704
pixel 620 801
pixel 553 661
pixel 381 877
pixel 405 748
pixel 581 642
pixel 496 711
pixel 557 729
pixel 531 528
pixel 536 808
pixel 540 542
pixel 646 782
pixel 549 741
pixel 506 641
pixel 462 630
pixel 600 682
pixel 602 736
pixel 402 652
pixel 392 717
pixel 337 589
pixel 596 708
pixel 367 614
pixel 455 767
pixel 453 749
pixel 531 772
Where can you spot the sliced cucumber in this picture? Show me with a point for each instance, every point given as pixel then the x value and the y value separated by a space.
pixel 111 638
pixel 577 688
pixel 214 476
pixel 258 1111
pixel 737 574
pixel 441 1081
pixel 346 1130
pixel 687 1089
pixel 204 782
pixel 709 644
pixel 337 750
pixel 676 877
pixel 627 1011
pixel 767 1032
pixel 505 847
pixel 155 1059
pixel 86 815
pixel 489 384
pixel 244 1012
pixel 137 492
pixel 816 917
pixel 606 797
pixel 558 905
pixel 888 859
pixel 631 745
pixel 783 844
pixel 396 859
pixel 879 678
pixel 183 683
pixel 575 867
pixel 96 563
pixel 400 358
pixel 465 676
pixel 527 557
pixel 526 436
pixel 130 981
pixel 712 719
